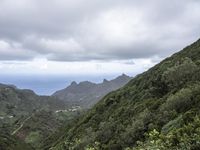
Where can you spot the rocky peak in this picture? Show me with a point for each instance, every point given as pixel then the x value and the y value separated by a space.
pixel 73 83
pixel 105 81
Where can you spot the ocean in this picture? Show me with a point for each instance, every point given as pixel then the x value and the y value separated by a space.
pixel 48 84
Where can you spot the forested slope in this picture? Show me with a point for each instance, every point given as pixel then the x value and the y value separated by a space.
pixel 158 109
pixel 9 142
pixel 27 117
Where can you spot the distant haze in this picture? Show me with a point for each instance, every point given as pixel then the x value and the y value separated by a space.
pixel 47 84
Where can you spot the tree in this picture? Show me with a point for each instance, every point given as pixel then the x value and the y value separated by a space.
pixel 179 74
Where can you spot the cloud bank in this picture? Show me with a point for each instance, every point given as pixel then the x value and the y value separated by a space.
pixel 105 30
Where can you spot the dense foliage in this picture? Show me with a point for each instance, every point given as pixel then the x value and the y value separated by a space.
pixel 29 117
pixel 8 142
pixel 158 109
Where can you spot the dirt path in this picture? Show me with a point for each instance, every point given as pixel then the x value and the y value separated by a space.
pixel 14 132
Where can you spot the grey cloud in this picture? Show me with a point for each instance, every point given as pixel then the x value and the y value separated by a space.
pixel 14 51
pixel 85 30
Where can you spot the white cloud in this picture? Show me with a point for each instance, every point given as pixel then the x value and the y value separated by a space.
pixel 4 45
pixel 114 27
pixel 43 66
pixel 83 32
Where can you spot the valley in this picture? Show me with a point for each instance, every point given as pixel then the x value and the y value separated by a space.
pixel 99 75
pixel 32 118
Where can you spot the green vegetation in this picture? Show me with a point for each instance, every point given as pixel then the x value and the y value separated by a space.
pixel 158 109
pixel 29 117
pixel 41 125
pixel 183 138
pixel 8 142
pixel 33 138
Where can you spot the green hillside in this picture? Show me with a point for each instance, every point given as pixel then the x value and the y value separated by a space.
pixel 8 142
pixel 158 109
pixel 28 117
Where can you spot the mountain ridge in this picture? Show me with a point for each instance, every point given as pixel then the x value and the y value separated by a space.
pixel 87 93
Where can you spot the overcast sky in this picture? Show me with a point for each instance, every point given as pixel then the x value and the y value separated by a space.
pixel 93 36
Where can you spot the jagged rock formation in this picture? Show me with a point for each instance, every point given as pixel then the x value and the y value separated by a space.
pixel 86 93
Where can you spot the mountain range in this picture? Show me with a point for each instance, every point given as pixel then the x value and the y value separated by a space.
pixel 86 94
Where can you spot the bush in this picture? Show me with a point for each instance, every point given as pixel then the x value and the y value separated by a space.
pixel 179 74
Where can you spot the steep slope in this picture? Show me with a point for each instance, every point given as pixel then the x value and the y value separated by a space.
pixel 160 108
pixel 86 94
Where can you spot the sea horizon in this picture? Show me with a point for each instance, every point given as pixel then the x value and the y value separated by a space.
pixel 48 84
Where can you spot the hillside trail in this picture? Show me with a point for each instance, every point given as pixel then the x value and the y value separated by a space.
pixel 22 124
